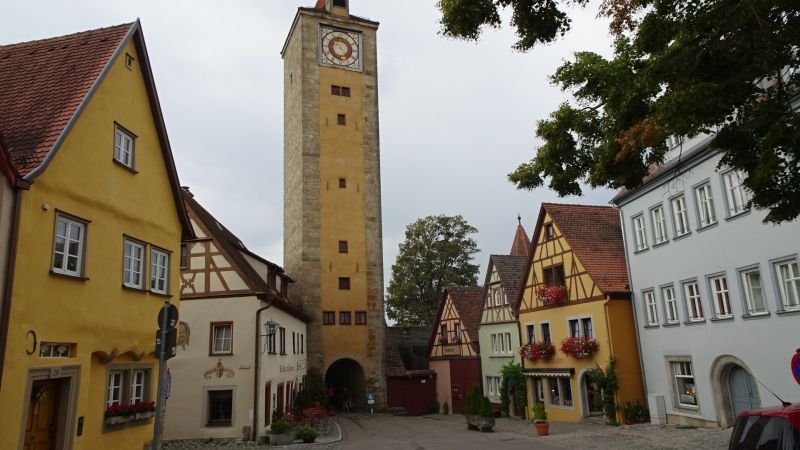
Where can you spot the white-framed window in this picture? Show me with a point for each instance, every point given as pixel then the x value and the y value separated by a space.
pixel 659 225
pixel 651 307
pixel 124 146
pixel 68 246
pixel 489 299
pixel 222 338
pixel 55 350
pixel 495 345
pixel 735 192
pixel 694 304
pixel 670 304
pixel 705 205
pixel 505 298
pixel 539 382
pixel 753 292
pixel 502 343
pixel 640 233
pixel 581 327
pixel 497 295
pixel 530 332
pixel 545 326
pixel 133 264
pixel 159 271
pixel 490 386
pixel 137 386
pixel 114 388
pixel 789 284
pixel 685 388
pixel 457 335
pixel 560 391
pixel 508 342
pixel 722 300
pixel 679 215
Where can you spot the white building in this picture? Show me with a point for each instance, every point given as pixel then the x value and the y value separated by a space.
pixel 717 291
pixel 230 375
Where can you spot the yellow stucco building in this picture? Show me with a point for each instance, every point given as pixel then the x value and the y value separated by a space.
pixel 97 239
pixel 576 298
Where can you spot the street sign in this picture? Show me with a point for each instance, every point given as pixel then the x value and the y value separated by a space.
pixel 370 398
pixel 796 366
pixel 169 345
pixel 172 316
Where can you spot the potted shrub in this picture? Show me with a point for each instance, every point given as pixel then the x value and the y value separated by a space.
pixel 628 413
pixel 306 434
pixel 486 416
pixel 473 407
pixel 540 420
pixel 280 433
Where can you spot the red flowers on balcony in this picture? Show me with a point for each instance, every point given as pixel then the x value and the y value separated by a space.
pixel 552 294
pixel 579 347
pixel 537 351
pixel 123 410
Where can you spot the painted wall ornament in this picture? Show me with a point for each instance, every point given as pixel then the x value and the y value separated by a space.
pixel 219 371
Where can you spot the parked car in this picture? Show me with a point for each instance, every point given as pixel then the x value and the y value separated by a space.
pixel 775 428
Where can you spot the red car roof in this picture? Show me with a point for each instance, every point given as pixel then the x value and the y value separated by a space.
pixel 790 413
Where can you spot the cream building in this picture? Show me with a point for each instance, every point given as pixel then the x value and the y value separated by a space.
pixel 230 373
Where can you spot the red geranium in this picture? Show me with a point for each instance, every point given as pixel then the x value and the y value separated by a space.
pixel 579 347
pixel 537 350
pixel 552 294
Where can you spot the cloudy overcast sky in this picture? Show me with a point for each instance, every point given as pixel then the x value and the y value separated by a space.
pixel 455 117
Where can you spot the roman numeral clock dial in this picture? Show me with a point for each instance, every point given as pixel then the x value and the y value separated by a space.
pixel 340 48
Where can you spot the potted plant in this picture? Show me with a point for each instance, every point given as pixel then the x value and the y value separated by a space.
pixel 473 407
pixel 445 408
pixel 552 294
pixel 540 420
pixel 628 413
pixel 306 434
pixel 119 413
pixel 280 433
pixel 486 416
pixel 535 351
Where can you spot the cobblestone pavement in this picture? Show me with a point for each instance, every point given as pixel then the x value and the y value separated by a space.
pixel 438 432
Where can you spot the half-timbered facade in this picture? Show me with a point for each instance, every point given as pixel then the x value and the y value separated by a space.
pixel 230 375
pixel 454 347
pixel 498 329
pixel 575 312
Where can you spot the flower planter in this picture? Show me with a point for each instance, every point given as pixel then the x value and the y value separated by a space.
pixel 473 421
pixel 281 439
pixel 145 415
pixel 117 420
pixel 485 424
pixel 542 428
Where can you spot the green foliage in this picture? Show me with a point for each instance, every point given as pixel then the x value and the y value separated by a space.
pixel 679 68
pixel 512 384
pixel 434 406
pixel 539 413
pixel 306 434
pixel 314 391
pixel 473 403
pixel 607 383
pixel 437 251
pixel 280 427
pixel 486 407
pixel 445 408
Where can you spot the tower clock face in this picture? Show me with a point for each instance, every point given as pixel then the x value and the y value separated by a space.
pixel 340 48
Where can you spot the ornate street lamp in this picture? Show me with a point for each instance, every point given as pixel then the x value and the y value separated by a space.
pixel 269 328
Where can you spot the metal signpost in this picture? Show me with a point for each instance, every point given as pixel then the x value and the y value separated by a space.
pixel 371 402
pixel 166 337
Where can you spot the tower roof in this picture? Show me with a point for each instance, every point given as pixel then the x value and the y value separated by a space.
pixel 522 243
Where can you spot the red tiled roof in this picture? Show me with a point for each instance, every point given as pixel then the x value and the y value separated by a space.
pixel 595 236
pixel 7 169
pixel 42 84
pixel 521 244
pixel 468 302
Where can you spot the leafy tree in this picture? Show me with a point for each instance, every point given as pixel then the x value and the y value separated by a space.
pixel 437 251
pixel 607 383
pixel 512 384
pixel 680 68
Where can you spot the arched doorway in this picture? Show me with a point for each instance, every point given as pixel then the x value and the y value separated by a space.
pixel 592 401
pixel 346 376
pixel 744 392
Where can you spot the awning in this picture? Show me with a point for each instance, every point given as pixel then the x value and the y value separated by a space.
pixel 547 373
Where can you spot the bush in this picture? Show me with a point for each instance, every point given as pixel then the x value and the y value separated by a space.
pixel 473 406
pixel 306 434
pixel 486 408
pixel 539 414
pixel 434 405
pixel 280 427
pixel 445 408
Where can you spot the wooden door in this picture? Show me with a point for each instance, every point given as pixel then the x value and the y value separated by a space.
pixel 280 399
pixel 268 403
pixel 40 432
pixel 743 391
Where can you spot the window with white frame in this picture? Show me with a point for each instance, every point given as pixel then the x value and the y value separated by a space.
pixel 685 388
pixel 539 382
pixel 680 216
pixel 495 344
pixel 651 308
pixel 124 147
pixel 659 225
pixel 68 246
pixel 670 304
pixel 137 386
pixel 489 299
pixel 555 391
pixel 502 343
pixel 581 327
pixel 705 205
pixel 222 338
pixel 497 300
pixel 789 284
pixel 753 292
pixel 640 233
pixel 722 301
pixel 545 331
pixel 735 192
pixel 694 304
pixel 490 385
pixel 128 386
pixel 560 391
pixel 114 388
pixel 505 298
pixel 508 343
pixel 530 332
pixel 133 264
pixel 159 271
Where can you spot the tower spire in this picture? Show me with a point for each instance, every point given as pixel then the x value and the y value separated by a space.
pixel 521 244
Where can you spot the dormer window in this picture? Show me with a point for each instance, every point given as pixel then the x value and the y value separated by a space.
pixel 549 233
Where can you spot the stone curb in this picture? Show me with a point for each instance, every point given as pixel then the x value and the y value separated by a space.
pixel 339 436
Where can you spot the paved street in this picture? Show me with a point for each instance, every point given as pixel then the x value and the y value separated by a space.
pixel 437 432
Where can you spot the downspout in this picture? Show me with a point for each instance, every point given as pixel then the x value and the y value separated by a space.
pixel 633 303
pixel 256 385
pixel 10 270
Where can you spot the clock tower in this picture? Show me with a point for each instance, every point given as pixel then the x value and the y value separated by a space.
pixel 332 195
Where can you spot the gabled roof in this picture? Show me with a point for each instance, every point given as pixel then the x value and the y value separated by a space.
pixel 233 248
pixel 511 270
pixel 521 245
pixel 7 168
pixel 468 302
pixel 46 84
pixel 595 236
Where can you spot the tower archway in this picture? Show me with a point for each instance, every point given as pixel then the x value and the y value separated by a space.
pixel 346 377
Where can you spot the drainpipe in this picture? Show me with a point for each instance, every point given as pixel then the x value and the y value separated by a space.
pixel 256 385
pixel 633 303
pixel 10 270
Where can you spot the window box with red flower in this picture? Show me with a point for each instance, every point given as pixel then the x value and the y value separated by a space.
pixel 117 413
pixel 579 347
pixel 537 351
pixel 552 294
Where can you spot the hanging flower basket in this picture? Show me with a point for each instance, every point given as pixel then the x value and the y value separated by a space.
pixel 537 351
pixel 552 295
pixel 579 347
